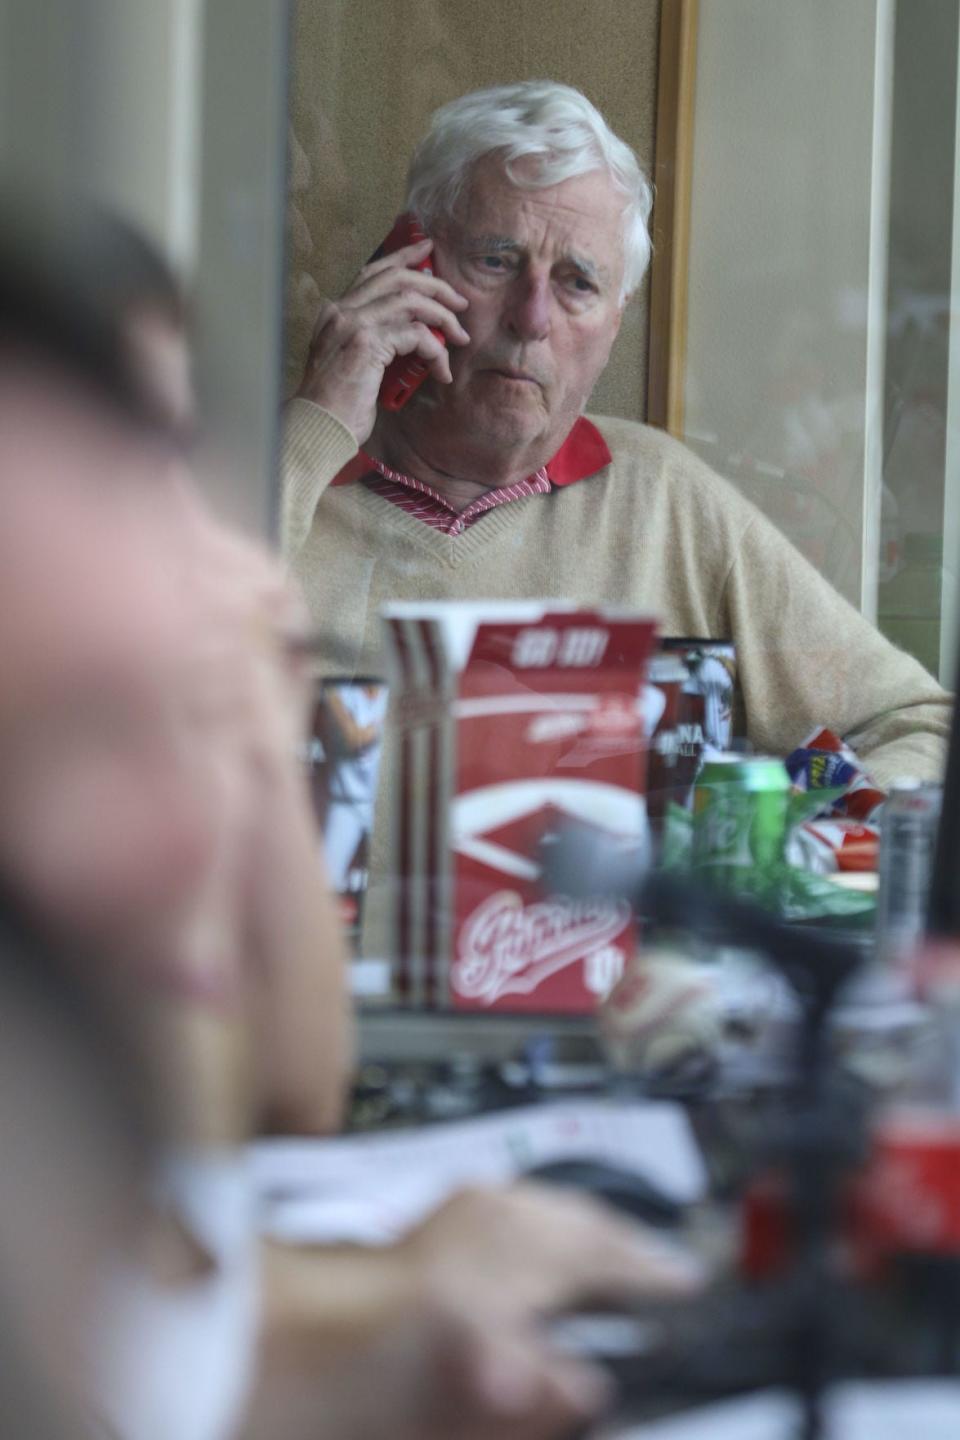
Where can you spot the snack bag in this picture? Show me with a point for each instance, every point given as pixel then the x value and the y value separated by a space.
pixel 824 762
pixel 834 846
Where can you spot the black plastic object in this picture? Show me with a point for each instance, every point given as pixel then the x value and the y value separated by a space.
pixel 624 1189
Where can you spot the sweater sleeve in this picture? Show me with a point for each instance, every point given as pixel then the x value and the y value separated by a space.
pixel 807 658
pixel 316 446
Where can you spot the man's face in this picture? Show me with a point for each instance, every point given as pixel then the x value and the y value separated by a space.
pixel 542 270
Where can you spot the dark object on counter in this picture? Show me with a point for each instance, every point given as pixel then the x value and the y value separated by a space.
pixel 626 1190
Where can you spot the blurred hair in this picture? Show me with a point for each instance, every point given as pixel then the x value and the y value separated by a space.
pixel 126 270
pixel 552 123
pixel 69 277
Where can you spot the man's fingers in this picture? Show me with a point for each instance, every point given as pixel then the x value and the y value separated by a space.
pixel 418 339
pixel 405 255
pixel 430 312
pixel 633 1260
pixel 533 1249
pixel 370 286
pixel 611 1257
pixel 395 324
pixel 409 304
pixel 506 1382
pixel 540 1391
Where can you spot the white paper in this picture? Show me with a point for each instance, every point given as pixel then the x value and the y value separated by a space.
pixel 369 1189
pixel 896 1410
pixel 768 1415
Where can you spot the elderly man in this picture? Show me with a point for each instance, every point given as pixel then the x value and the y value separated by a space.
pixel 491 482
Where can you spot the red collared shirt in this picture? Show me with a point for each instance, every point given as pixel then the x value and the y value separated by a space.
pixel 581 455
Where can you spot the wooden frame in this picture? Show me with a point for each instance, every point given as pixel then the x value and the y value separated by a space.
pixel 673 167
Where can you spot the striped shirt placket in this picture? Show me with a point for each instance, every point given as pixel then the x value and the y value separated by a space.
pixel 425 503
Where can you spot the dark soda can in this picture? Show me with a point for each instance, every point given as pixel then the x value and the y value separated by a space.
pixel 676 745
pixel 712 683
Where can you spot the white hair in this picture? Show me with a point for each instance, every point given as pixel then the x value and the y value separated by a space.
pixel 554 123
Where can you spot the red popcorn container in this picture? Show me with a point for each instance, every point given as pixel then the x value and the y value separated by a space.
pixel 512 721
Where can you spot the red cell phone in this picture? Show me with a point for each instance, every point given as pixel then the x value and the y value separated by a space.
pixel 407 373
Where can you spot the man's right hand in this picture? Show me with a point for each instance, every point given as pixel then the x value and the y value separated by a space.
pixel 440 1336
pixel 531 1249
pixel 388 311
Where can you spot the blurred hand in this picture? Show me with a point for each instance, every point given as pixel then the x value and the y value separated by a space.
pixel 427 1371
pixel 440 1335
pixel 388 310
pixel 533 1249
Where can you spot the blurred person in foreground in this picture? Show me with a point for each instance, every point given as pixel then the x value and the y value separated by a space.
pixel 130 766
pixel 152 806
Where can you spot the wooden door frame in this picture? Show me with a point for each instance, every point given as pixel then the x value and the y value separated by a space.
pixel 672 176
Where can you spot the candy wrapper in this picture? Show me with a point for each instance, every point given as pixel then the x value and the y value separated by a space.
pixel 834 846
pixel 824 762
pixel 841 835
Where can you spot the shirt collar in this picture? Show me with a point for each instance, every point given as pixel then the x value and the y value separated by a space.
pixel 582 454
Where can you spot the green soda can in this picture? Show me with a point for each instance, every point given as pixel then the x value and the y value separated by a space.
pixel 740 820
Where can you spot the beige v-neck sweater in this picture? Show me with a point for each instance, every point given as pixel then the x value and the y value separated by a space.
pixel 656 531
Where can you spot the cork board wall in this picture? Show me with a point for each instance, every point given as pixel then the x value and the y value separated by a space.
pixel 366 75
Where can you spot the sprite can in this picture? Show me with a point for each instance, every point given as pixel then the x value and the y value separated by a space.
pixel 740 820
